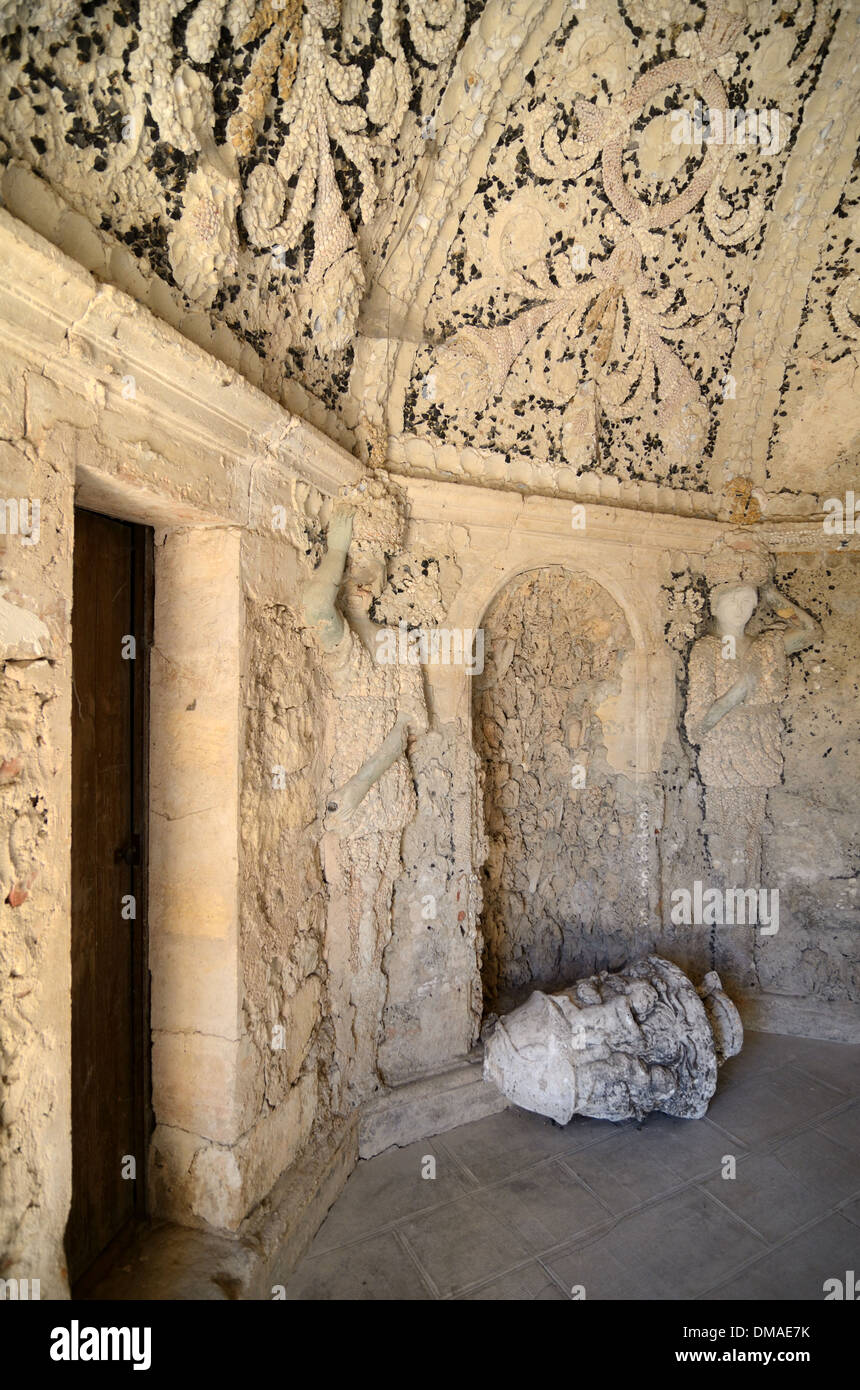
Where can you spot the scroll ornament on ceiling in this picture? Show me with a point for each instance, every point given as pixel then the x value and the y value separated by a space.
pixel 844 306
pixel 321 102
pixel 615 321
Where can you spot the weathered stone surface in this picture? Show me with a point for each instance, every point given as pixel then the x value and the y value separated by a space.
pixel 245 246
pixel 429 1105
pixel 556 811
pixel 616 1047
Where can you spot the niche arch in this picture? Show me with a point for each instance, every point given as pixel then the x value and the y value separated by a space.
pixel 554 719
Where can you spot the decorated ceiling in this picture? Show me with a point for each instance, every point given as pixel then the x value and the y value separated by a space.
pixel 527 242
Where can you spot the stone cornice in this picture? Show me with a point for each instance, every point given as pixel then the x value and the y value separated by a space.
pixel 91 336
pixel 486 508
pixel 481 507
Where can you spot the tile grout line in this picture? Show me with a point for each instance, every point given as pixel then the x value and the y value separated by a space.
pixel 584 1239
pixel 557 1281
pixel 765 1150
pixel 772 1250
pixel 394 1224
pixel 428 1281
pixel 737 1216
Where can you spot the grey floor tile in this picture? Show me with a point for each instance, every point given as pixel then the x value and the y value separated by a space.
pixel 844 1128
pixel 386 1188
pixel 674 1249
pixel 799 1182
pixel 829 1167
pixel 836 1063
pixel 693 1148
pixel 500 1145
pixel 852 1211
pixel 374 1269
pixel 530 1284
pixel 545 1206
pixel 508 1188
pixel 463 1244
pixel 637 1165
pixel 760 1052
pixel 798 1269
pixel 772 1104
pixel 621 1175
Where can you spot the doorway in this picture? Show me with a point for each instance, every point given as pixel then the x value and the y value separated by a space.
pixel 111 639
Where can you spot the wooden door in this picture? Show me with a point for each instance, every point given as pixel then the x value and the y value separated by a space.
pixel 111 627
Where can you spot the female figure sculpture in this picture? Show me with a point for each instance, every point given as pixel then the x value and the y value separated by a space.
pixel 736 685
pixel 375 709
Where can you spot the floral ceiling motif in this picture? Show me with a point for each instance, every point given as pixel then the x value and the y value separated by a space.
pixel 314 95
pixel 262 110
pixel 589 305
pixel 620 316
pixel 592 205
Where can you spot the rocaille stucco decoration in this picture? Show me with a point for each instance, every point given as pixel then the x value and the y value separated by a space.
pixel 592 296
pixel 521 240
pixel 317 105
pixel 818 396
pixel 556 814
pixel 277 126
pixel 614 310
pixel 616 1046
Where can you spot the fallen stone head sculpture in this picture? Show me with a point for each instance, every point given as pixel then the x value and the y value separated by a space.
pixel 616 1047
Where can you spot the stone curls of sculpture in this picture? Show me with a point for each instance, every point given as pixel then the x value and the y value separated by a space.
pixel 616 1046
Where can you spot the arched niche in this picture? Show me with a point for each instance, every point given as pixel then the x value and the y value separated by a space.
pixel 552 714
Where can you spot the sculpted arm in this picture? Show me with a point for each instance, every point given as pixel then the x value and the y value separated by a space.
pixel 319 604
pixel 320 592
pixel 350 796
pixel 703 711
pixel 803 630
pixel 720 708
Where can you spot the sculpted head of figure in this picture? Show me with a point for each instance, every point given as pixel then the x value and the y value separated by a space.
pixel 733 605
pixel 616 1046
pixel 736 567
pixel 377 534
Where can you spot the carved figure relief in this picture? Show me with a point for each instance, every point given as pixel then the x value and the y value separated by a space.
pixel 376 708
pixel 736 685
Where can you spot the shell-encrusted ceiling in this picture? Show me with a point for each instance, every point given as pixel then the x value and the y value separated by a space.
pixel 596 247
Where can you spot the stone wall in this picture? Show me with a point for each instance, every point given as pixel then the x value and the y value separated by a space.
pixel 645 778
pixel 559 893
pixel 283 897
pixel 104 404
pixel 433 1006
pixel 126 418
pixel 812 846
pixel 804 976
pixel 35 762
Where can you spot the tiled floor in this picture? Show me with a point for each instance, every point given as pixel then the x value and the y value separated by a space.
pixel 520 1208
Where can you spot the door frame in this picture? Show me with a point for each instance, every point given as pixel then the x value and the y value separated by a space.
pixel 144 613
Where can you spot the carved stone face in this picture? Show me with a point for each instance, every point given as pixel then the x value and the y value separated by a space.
pixel 366 573
pixel 733 607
